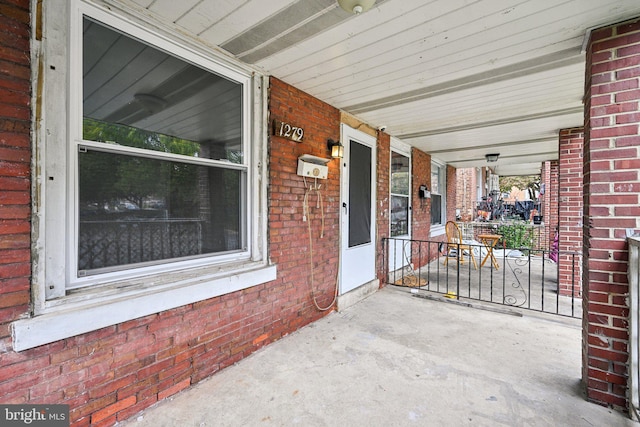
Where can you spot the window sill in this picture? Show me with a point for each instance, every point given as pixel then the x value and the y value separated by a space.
pixel 437 230
pixel 88 314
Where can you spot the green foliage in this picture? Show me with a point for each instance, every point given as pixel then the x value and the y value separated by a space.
pixel 517 235
pixel 521 182
pixel 107 178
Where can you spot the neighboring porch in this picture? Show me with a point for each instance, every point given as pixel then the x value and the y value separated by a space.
pixel 397 360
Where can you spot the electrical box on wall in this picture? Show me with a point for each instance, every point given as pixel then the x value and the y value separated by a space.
pixel 312 166
pixel 423 192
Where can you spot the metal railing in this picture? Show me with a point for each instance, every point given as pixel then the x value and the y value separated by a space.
pixel 531 279
pixel 634 327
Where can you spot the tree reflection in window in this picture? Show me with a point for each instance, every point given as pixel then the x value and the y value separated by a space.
pixel 135 209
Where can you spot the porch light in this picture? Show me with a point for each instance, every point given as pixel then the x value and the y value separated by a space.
pixel 356 6
pixel 492 157
pixel 151 103
pixel 337 149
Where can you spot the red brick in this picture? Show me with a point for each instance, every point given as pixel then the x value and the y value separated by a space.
pixel 15 226
pixel 610 132
pixel 57 383
pixel 597 385
pixel 628 141
pixel 606 398
pixel 630 95
pixel 10 271
pixel 611 199
pixel 174 389
pixel 627 211
pixel 628 27
pixel 109 387
pixel 628 118
pixel 124 414
pixel 112 409
pixel 607 377
pixel 626 62
pixel 628 73
pixel 615 87
pixel 600 34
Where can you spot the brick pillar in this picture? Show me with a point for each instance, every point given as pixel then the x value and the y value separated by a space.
pixel 551 216
pixel 466 193
pixel 421 208
pixel 451 192
pixel 570 207
pixel 383 170
pixel 545 202
pixel 611 205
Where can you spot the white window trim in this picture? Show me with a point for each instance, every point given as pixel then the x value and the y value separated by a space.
pixel 439 230
pixel 121 299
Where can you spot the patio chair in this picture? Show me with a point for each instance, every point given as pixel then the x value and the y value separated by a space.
pixel 455 243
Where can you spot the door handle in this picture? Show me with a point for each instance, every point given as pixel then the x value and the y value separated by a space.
pixel 344 205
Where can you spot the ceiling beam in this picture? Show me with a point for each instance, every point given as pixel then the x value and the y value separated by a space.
pixel 504 121
pixel 564 58
pixel 503 144
pixel 506 160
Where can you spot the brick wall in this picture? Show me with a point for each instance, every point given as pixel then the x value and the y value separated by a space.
pixel 421 208
pixel 611 204
pixel 382 205
pixel 288 234
pixel 570 208
pixel 15 163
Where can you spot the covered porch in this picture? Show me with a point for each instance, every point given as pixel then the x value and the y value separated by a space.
pixel 415 93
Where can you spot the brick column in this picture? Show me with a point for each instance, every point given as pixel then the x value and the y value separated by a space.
pixel 551 217
pixel 611 205
pixel 546 237
pixel 451 192
pixel 466 193
pixel 421 208
pixel 383 171
pixel 570 208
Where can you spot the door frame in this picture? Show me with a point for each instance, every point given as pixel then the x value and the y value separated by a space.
pixel 355 274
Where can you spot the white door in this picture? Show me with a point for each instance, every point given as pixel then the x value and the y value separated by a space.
pixel 358 219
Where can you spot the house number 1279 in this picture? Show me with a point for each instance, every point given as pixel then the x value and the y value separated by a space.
pixel 285 130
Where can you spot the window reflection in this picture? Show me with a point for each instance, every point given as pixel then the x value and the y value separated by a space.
pixel 400 189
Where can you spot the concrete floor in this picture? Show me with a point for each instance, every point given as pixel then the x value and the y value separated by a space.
pixel 397 360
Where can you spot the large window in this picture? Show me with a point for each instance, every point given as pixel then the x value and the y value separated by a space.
pixel 161 165
pixel 148 162
pixel 400 201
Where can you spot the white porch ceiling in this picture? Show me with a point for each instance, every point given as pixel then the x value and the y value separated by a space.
pixel 455 78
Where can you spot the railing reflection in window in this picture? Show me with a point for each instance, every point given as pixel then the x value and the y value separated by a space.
pixel 105 244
